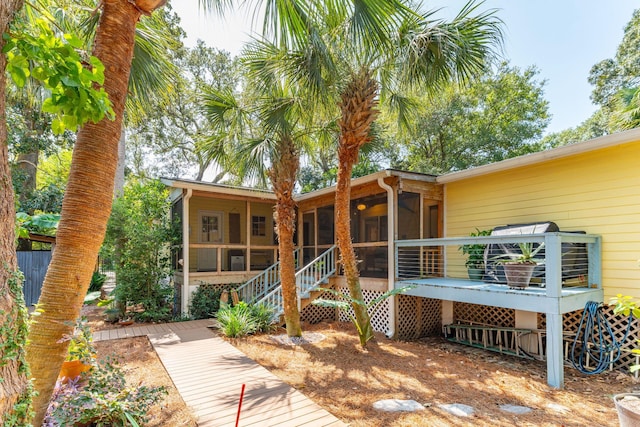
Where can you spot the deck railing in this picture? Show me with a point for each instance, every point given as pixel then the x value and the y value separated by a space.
pixel 264 283
pixel 308 278
pixel 562 259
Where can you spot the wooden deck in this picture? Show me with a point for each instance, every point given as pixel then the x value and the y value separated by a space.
pixel 209 373
pixel 533 298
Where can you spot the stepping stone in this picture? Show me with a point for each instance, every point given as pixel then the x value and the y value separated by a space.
pixel 515 409
pixel 458 409
pixel 397 405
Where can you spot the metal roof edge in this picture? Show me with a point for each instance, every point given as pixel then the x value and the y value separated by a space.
pixel 599 143
pixel 221 188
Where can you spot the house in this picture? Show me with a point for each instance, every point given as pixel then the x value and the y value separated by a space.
pixel 407 228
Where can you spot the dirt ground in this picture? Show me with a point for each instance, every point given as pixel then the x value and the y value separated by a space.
pixel 142 365
pixel 346 380
pixel 341 377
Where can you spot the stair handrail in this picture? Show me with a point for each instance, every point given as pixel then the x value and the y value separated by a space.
pixel 316 272
pixel 263 283
pixel 319 270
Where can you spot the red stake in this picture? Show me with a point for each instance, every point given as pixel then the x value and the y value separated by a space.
pixel 240 405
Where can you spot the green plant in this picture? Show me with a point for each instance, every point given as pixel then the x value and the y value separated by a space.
pixel 627 306
pixel 97 280
pixel 205 302
pixel 527 254
pixel 139 235
pixel 80 343
pixel 346 301
pixel 236 321
pixel 264 316
pixel 106 400
pixel 475 251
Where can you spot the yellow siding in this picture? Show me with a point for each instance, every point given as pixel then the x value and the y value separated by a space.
pixel 597 192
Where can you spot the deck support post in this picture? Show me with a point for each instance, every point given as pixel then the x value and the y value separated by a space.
pixel 553 278
pixel 555 364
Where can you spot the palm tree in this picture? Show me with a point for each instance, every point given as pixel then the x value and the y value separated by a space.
pixel 13 369
pixel 374 54
pixel 87 201
pixel 277 111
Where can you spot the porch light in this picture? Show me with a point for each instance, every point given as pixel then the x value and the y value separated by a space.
pixel 361 206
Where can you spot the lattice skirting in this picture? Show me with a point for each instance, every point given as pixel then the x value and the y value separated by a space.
pixel 483 315
pixel 418 317
pixel 619 325
pixel 379 320
pixel 315 314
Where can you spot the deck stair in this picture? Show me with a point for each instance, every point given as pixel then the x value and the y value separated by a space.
pixel 308 279
pixel 264 283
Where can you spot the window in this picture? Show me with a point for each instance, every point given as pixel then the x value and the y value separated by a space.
pixel 258 225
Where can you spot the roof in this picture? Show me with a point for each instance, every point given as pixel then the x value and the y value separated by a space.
pixel 599 143
pixel 369 178
pixel 226 189
pixel 267 194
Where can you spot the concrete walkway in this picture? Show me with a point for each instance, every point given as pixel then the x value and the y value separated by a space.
pixel 209 373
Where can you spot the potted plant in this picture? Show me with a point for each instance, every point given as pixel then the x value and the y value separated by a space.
pixel 475 256
pixel 81 352
pixel 519 266
pixel 627 404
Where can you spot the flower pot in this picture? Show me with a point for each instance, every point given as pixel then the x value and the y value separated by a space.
pixel 628 407
pixel 475 273
pixel 518 274
pixel 72 369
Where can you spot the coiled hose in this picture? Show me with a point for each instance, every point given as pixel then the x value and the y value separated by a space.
pixel 595 341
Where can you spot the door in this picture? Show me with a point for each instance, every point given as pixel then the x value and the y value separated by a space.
pixel 210 230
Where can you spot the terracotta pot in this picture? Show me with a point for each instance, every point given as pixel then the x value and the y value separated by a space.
pixel 72 369
pixel 518 274
pixel 628 407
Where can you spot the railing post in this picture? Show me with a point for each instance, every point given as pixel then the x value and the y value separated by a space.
pixel 594 252
pixel 553 264
pixel 553 278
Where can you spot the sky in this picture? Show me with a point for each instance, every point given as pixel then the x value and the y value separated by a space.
pixel 562 38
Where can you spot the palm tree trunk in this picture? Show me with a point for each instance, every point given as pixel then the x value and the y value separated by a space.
pixel 13 369
pixel 283 178
pixel 358 102
pixel 87 202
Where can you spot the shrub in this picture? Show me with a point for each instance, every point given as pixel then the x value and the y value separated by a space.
pixel 97 280
pixel 139 235
pixel 242 319
pixel 237 321
pixel 205 302
pixel 263 315
pixel 106 400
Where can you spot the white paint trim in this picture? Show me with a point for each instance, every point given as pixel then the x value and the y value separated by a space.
pixel 185 251
pixel 391 269
pixel 544 156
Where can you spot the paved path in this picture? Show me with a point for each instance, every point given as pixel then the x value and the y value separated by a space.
pixel 209 373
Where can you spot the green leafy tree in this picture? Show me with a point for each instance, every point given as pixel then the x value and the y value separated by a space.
pixel 140 228
pixel 175 136
pixel 500 116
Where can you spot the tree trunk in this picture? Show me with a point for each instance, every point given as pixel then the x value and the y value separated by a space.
pixel 357 106
pixel 27 163
pixel 14 389
pixel 283 178
pixel 87 202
